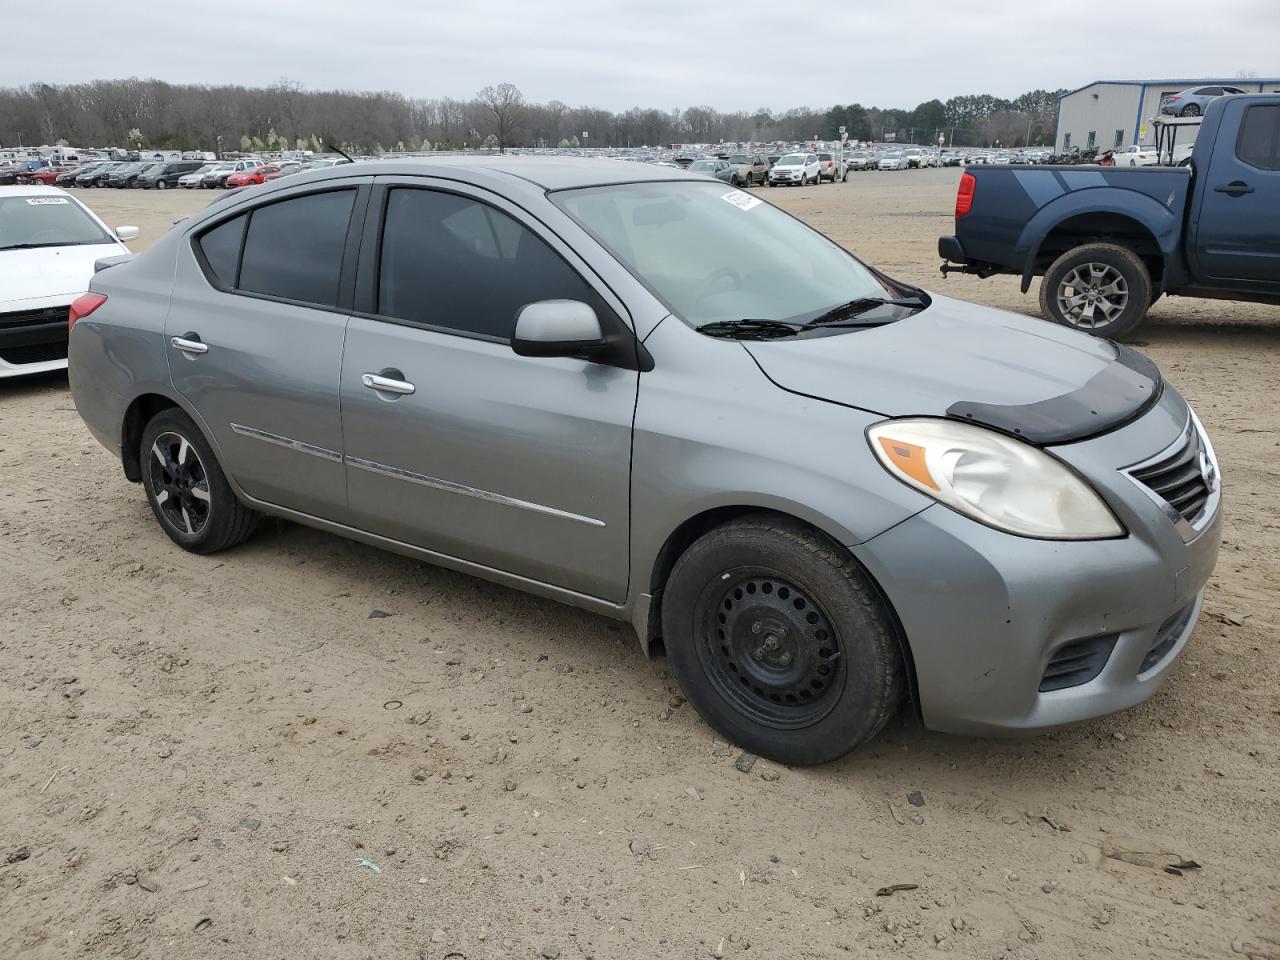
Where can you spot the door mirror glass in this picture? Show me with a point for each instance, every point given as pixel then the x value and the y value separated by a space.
pixel 557 328
pixel 125 234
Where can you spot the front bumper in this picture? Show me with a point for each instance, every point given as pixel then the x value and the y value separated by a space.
pixel 33 336
pixel 985 614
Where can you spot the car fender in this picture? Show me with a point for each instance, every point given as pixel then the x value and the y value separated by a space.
pixel 1164 223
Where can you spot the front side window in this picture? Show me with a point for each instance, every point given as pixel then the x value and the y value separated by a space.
pixel 453 262
pixel 1259 141
pixel 29 222
pixel 711 256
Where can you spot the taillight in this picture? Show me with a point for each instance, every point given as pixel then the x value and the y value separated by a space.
pixel 82 306
pixel 964 196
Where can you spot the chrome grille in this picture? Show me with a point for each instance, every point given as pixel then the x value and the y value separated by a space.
pixel 1183 480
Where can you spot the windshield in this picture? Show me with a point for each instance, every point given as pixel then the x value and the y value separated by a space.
pixel 739 158
pixel 703 166
pixel 791 160
pixel 46 222
pixel 712 256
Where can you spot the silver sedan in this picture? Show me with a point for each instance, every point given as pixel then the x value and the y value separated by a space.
pixel 823 491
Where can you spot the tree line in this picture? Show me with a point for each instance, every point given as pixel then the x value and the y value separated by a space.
pixel 155 114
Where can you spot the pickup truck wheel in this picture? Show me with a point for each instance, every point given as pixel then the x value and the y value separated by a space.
pixel 1098 288
pixel 781 642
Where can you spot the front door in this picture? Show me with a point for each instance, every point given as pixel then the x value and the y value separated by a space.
pixel 254 335
pixel 1238 234
pixel 456 444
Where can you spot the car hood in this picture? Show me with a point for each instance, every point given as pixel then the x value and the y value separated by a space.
pixel 50 271
pixel 1042 382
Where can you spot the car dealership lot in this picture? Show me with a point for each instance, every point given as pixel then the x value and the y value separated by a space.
pixel 243 720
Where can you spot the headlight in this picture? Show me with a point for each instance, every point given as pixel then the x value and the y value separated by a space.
pixel 994 479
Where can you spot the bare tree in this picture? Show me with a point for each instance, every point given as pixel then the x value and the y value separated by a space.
pixel 506 103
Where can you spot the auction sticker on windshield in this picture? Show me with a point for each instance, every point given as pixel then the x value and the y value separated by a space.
pixel 41 201
pixel 743 201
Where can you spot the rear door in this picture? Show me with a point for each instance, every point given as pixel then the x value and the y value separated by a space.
pixel 255 332
pixel 1237 236
pixel 454 443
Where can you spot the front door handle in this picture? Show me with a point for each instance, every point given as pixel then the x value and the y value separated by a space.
pixel 1236 188
pixel 190 344
pixel 375 381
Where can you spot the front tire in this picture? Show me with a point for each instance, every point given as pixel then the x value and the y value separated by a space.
pixel 781 642
pixel 186 488
pixel 1098 288
pixel 1190 110
pixel 161 185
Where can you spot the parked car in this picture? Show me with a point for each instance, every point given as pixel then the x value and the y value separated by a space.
pixel 894 160
pixel 1109 246
pixel 914 158
pixel 245 178
pixel 512 377
pixel 47 175
pixel 829 167
pixel 749 168
pixel 127 175
pixel 195 179
pixel 163 176
pixel 49 242
pixel 857 161
pixel 216 179
pixel 95 176
pixel 288 167
pixel 795 169
pixel 720 169
pixel 1192 103
pixel 68 177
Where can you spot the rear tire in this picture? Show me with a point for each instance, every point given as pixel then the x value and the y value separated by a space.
pixel 781 642
pixel 1190 110
pixel 186 488
pixel 1099 288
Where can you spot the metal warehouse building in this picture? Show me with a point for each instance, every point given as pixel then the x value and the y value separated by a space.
pixel 1113 113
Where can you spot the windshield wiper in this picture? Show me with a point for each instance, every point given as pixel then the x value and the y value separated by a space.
pixel 749 329
pixel 861 305
pixel 30 246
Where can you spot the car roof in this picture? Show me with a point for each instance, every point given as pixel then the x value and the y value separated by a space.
pixel 549 173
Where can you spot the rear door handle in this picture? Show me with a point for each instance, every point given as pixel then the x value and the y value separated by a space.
pixel 187 345
pixel 1237 188
pixel 383 384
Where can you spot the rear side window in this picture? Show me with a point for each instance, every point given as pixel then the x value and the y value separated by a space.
pixel 220 248
pixel 293 249
pixel 1259 143
pixel 449 261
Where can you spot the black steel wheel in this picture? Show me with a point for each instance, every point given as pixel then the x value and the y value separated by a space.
pixel 769 647
pixel 781 641
pixel 186 488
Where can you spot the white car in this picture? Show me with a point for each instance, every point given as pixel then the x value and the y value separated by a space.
pixel 1136 155
pixel 893 161
pixel 915 157
pixel 795 169
pixel 191 180
pixel 49 242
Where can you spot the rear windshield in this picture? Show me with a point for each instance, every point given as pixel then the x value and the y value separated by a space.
pixel 28 222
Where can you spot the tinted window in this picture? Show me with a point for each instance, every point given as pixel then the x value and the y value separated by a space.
pixel 221 249
pixel 1259 143
pixel 452 262
pixel 293 249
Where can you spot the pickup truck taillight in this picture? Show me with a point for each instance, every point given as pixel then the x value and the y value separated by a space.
pixel 964 196
pixel 82 306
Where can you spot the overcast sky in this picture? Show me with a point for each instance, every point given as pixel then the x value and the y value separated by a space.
pixel 732 54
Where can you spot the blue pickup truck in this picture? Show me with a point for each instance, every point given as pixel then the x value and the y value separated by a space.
pixel 1109 241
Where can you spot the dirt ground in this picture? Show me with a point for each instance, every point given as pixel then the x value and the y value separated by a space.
pixel 228 757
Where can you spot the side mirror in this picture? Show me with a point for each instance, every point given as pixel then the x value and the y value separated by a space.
pixel 558 328
pixel 125 234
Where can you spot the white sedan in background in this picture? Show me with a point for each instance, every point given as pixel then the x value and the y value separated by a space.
pixel 49 242
pixel 1136 155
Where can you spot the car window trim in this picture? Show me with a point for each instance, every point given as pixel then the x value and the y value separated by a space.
pixel 371 263
pixel 350 247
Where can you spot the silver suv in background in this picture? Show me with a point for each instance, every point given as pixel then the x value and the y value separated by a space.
pixel 662 399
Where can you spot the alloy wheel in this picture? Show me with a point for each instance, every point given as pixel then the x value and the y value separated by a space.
pixel 179 483
pixel 770 649
pixel 1092 295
